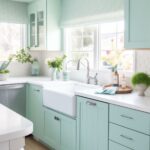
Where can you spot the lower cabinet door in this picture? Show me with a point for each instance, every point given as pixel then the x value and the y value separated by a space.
pixel 35 111
pixel 129 138
pixel 52 129
pixel 92 124
pixel 59 131
pixel 68 133
pixel 115 146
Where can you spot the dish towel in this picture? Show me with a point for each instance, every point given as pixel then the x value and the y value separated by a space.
pixel 108 90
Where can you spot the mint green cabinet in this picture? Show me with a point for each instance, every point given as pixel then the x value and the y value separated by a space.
pixel 92 126
pixel 52 128
pixel 128 138
pixel 129 118
pixel 59 131
pixel 137 24
pixel 34 109
pixel 129 128
pixel 68 133
pixel 44 31
pixel 116 146
pixel 37 25
pixel 53 25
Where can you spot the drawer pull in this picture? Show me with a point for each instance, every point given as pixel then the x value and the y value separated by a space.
pixel 127 117
pixel 56 118
pixel 37 90
pixel 91 103
pixel 126 137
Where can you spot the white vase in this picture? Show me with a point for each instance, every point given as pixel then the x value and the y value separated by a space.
pixel 53 73
pixel 141 88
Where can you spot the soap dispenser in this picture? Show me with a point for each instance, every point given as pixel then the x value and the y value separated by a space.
pixel 35 68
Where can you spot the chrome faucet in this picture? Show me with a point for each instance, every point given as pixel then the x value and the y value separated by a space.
pixel 94 78
pixel 88 71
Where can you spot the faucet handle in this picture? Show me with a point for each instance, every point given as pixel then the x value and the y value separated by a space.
pixel 95 78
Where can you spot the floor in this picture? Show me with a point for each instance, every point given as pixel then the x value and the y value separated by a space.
pixel 32 144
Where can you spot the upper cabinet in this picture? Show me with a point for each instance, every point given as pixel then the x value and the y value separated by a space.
pixel 137 24
pixel 37 25
pixel 53 25
pixel 44 30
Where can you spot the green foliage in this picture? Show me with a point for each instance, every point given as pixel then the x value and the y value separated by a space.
pixel 141 78
pixel 56 63
pixel 23 56
pixel 4 71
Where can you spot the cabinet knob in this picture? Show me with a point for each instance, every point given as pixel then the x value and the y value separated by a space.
pixel 91 103
pixel 37 90
pixel 57 118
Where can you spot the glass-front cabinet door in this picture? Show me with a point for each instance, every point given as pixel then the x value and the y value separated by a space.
pixel 40 29
pixel 33 30
pixel 37 31
pixel 37 25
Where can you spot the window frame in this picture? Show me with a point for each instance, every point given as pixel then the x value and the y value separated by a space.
pixel 97 50
pixel 23 31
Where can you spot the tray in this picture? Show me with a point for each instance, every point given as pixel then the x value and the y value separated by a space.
pixel 121 90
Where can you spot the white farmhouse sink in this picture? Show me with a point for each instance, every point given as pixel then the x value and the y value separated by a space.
pixel 60 96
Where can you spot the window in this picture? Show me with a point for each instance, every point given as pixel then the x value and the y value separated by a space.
pixel 112 47
pixel 81 43
pixel 102 44
pixel 12 39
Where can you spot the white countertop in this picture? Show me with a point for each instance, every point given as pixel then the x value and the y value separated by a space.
pixel 131 100
pixel 13 125
pixel 19 80
pixel 127 100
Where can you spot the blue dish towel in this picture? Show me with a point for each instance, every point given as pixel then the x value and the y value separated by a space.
pixel 108 90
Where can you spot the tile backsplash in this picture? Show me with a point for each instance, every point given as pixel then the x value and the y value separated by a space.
pixel 18 69
pixel 142 59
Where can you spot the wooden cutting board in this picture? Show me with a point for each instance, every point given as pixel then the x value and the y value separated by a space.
pixel 121 90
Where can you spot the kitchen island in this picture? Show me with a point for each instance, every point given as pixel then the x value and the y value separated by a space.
pixel 13 129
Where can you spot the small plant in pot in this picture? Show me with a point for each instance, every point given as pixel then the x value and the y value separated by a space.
pixel 56 65
pixel 22 56
pixel 141 81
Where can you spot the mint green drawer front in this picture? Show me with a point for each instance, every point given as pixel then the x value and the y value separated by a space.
pixel 115 146
pixel 129 138
pixel 130 118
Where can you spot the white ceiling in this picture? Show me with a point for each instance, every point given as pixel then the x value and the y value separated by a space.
pixel 24 1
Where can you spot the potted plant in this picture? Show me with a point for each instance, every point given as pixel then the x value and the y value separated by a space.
pixel 141 81
pixel 56 65
pixel 22 56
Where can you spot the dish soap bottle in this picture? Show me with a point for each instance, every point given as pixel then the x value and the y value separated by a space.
pixel 115 78
pixel 35 68
pixel 123 82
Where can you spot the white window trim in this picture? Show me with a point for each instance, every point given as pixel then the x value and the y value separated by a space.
pixel 97 51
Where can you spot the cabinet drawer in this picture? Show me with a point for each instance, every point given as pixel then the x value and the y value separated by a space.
pixel 115 146
pixel 129 118
pixel 128 138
